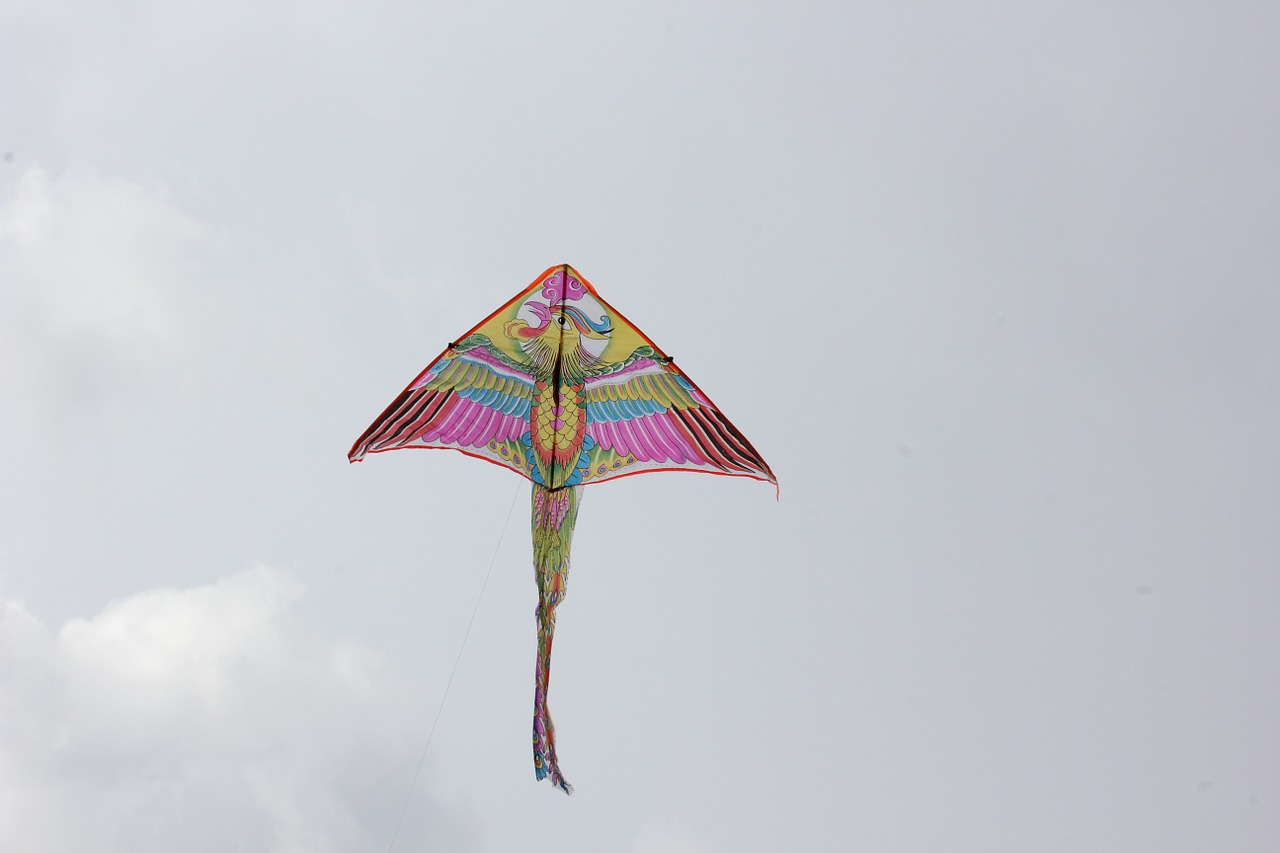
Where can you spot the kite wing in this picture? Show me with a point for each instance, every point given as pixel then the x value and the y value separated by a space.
pixel 473 398
pixel 648 416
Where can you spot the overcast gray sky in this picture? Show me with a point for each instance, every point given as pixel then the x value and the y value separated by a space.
pixel 992 287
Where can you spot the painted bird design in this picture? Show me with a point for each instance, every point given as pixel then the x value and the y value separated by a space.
pixel 561 388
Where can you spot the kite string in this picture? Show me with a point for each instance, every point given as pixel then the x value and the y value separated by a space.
pixel 422 758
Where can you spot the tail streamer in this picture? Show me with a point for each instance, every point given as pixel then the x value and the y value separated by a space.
pixel 554 513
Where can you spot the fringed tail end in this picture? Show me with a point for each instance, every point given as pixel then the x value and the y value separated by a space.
pixel 556 779
pixel 545 765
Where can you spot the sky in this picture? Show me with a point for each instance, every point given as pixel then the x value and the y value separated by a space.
pixel 991 286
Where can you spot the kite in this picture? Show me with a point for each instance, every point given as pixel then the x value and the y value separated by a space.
pixel 562 389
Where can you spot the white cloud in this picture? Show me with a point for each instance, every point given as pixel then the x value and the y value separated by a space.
pixel 91 265
pixel 93 253
pixel 197 719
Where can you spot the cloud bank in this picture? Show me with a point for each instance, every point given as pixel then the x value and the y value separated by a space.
pixel 200 719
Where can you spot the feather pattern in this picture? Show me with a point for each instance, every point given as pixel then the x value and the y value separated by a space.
pixel 654 416
pixel 468 399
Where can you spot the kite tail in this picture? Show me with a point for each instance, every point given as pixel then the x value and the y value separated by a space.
pixel 554 514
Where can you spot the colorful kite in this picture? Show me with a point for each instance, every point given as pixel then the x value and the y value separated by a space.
pixel 559 387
